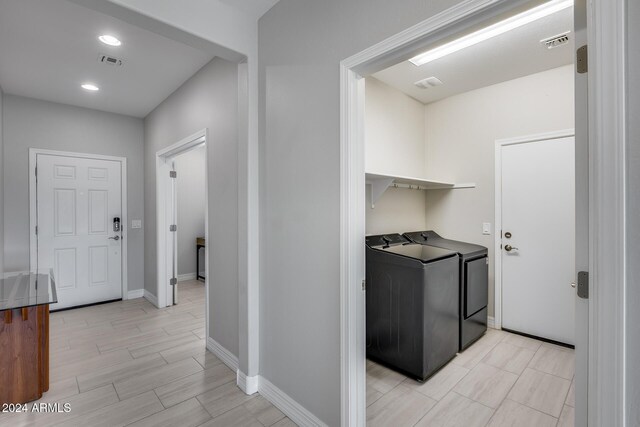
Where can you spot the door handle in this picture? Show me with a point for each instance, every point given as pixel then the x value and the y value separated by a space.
pixel 116 238
pixel 510 248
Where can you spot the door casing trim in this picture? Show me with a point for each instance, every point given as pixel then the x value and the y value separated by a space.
pixel 497 251
pixel 33 220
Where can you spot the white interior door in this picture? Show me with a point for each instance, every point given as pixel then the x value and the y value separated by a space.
pixel 77 202
pixel 538 239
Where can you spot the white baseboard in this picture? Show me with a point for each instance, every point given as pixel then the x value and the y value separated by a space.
pixel 151 298
pixel 186 277
pixel 136 293
pixel 292 409
pixel 223 354
pixel 247 384
pixel 491 322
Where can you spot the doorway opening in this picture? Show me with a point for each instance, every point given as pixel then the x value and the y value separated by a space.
pixel 77 205
pixel 193 149
pixel 421 115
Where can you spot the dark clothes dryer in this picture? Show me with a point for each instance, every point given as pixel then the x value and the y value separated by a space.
pixel 411 305
pixel 474 282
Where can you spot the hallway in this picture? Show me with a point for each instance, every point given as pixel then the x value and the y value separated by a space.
pixel 129 363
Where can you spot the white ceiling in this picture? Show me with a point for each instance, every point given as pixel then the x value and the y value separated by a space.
pixel 49 47
pixel 514 54
pixel 255 8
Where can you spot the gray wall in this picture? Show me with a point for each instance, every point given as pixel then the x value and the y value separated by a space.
pixel 209 100
pixel 633 218
pixel 191 167
pixel 301 44
pixel 31 123
pixel 1 186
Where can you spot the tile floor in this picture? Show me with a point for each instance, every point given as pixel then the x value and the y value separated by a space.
pixel 128 363
pixel 501 380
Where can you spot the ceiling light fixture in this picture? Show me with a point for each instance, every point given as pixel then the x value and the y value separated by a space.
pixel 90 87
pixel 491 31
pixel 110 40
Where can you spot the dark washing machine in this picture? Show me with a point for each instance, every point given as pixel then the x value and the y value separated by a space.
pixel 412 305
pixel 474 282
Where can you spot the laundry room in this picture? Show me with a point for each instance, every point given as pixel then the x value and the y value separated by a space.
pixel 470 171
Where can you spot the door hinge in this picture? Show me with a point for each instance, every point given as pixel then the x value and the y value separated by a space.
pixel 582 60
pixel 36 170
pixel 583 284
pixel 173 227
pixel 364 285
pixel 173 174
pixel 173 281
pixel 36 230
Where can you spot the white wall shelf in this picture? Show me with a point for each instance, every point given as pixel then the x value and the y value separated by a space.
pixel 380 182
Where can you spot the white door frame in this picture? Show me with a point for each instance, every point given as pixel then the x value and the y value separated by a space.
pixel 606 25
pixel 165 247
pixel 33 213
pixel 497 250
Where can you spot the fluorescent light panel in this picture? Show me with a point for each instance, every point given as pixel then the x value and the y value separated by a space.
pixel 491 31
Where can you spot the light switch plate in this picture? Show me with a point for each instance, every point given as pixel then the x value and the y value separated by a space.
pixel 486 228
pixel 136 223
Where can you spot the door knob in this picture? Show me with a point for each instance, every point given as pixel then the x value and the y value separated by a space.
pixel 116 238
pixel 510 248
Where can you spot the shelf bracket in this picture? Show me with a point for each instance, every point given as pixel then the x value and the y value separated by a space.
pixel 378 187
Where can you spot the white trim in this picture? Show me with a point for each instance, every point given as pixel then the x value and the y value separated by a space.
pixel 607 133
pixel 151 298
pixel 491 322
pixel 228 358
pixel 164 161
pixel 497 251
pixel 186 277
pixel 136 293
pixel 33 240
pixel 352 178
pixel 249 385
pixel 292 409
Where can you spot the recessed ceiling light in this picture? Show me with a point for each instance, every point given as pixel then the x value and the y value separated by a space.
pixel 491 31
pixel 91 87
pixel 110 40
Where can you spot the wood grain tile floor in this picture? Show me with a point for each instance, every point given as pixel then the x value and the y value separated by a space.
pixel 501 380
pixel 129 363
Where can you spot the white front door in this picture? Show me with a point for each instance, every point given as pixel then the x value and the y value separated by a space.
pixel 77 202
pixel 538 238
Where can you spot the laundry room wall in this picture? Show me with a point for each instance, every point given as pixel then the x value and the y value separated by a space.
pixel 394 144
pixel 209 100
pixel 394 131
pixel 31 123
pixel 192 175
pixel 301 44
pixel 542 102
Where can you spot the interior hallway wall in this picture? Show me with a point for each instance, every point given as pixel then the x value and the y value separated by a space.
pixel 394 131
pixel 632 368
pixel 32 123
pixel 192 176
pixel 209 100
pixel 1 185
pixel 542 102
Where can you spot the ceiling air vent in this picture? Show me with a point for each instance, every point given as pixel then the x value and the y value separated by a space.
pixel 556 41
pixel 429 82
pixel 106 59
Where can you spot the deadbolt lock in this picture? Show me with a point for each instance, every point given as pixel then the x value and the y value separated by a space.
pixel 507 235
